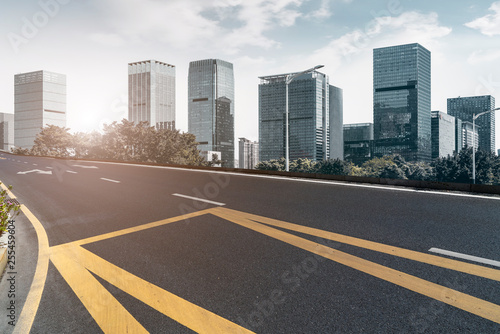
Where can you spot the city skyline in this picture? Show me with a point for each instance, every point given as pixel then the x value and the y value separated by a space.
pixel 258 38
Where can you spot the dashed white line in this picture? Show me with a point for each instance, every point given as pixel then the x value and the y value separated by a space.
pixel 72 172
pixel 109 180
pixel 465 257
pixel 200 199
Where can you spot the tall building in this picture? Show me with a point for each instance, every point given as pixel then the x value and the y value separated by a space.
pixel 336 123
pixel 312 109
pixel 469 137
pixel 443 134
pixel 6 131
pixel 465 107
pixel 248 153
pixel 151 93
pixel 402 101
pixel 358 142
pixel 39 100
pixel 211 107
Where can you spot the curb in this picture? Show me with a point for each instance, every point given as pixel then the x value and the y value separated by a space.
pixel 3 253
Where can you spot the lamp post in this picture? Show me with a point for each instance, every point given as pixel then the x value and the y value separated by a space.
pixel 474 117
pixel 289 78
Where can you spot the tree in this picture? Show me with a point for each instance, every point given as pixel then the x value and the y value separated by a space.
pixel 333 167
pixel 53 141
pixel 277 165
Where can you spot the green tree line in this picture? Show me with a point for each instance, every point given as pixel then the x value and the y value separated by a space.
pixel 456 168
pixel 123 141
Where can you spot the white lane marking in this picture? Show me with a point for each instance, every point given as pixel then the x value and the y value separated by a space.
pixel 109 180
pixel 25 162
pixel 200 199
pixel 72 172
pixel 332 182
pixel 36 171
pixel 466 257
pixel 49 167
pixel 35 164
pixel 83 166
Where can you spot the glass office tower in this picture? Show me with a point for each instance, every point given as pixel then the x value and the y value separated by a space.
pixel 443 134
pixel 211 107
pixel 151 93
pixel 464 108
pixel 39 100
pixel 402 102
pixel 311 110
pixel 6 131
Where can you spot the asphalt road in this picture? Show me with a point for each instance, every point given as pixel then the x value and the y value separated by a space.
pixel 255 254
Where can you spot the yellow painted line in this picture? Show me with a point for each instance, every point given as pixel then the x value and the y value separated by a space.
pixel 468 268
pixel 140 227
pixel 74 261
pixel 446 295
pixel 109 314
pixel 32 302
pixel 11 195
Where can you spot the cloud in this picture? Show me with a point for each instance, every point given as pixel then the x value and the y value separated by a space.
pixel 409 27
pixel 480 57
pixel 227 25
pixel 489 25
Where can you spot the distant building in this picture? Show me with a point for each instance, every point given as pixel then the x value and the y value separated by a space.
pixel 6 131
pixel 443 134
pixel 470 138
pixel 498 152
pixel 465 107
pixel 313 105
pixel 249 153
pixel 211 156
pixel 402 101
pixel 336 123
pixel 358 142
pixel 151 93
pixel 39 100
pixel 211 107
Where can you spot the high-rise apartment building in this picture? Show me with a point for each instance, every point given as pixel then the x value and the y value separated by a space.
pixel 443 134
pixel 6 131
pixel 211 107
pixel 358 142
pixel 402 101
pixel 312 109
pixel 39 100
pixel 151 93
pixel 465 107
pixel 248 153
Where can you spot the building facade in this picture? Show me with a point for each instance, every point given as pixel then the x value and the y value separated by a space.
pixel 312 108
pixel 6 131
pixel 358 142
pixel 336 123
pixel 443 134
pixel 151 93
pixel 248 153
pixel 469 137
pixel 402 102
pixel 465 107
pixel 39 100
pixel 211 107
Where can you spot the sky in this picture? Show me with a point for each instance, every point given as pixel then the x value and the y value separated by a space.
pixel 92 41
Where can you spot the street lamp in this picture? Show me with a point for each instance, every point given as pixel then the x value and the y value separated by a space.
pixel 474 117
pixel 289 78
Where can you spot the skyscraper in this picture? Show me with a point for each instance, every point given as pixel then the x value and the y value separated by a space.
pixel 336 106
pixel 443 134
pixel 312 108
pixel 465 107
pixel 39 100
pixel 248 153
pixel 211 107
pixel 151 93
pixel 402 101
pixel 358 142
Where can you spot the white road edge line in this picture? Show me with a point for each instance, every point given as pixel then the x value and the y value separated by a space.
pixel 104 179
pixel 200 199
pixel 466 257
pixel 329 182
